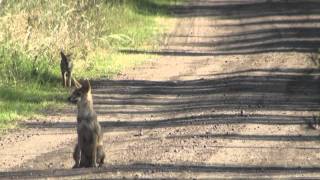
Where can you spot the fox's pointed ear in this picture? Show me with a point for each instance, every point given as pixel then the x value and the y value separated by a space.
pixel 86 86
pixel 63 56
pixel 76 83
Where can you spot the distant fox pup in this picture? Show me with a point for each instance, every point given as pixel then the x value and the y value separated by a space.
pixel 89 150
pixel 66 66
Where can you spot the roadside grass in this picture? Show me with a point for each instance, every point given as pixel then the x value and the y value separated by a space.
pixel 33 32
pixel 108 64
pixel 19 102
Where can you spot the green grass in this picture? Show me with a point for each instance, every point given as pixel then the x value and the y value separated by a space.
pixel 106 65
pixel 33 32
pixel 19 102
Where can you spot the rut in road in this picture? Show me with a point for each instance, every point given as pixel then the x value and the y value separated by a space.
pixel 231 95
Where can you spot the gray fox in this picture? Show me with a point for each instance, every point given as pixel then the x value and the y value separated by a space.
pixel 89 150
pixel 66 66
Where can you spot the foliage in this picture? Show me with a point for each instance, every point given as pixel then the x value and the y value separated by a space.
pixel 33 32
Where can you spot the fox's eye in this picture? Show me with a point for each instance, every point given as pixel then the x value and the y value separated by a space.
pixel 78 94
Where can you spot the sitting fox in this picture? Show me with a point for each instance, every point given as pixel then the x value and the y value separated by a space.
pixel 89 150
pixel 66 66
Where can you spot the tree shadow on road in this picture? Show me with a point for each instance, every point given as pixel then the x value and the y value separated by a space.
pixel 242 171
pixel 230 9
pixel 252 27
pixel 223 99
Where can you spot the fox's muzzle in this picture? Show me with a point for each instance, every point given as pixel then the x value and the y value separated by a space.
pixel 72 100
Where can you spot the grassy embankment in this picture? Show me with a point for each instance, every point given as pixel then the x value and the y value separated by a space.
pixel 33 32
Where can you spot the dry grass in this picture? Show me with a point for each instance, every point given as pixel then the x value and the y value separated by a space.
pixel 33 32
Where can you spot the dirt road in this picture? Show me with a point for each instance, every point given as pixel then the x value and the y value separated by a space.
pixel 231 95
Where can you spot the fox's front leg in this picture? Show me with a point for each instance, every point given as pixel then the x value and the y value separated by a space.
pixel 83 159
pixel 77 156
pixel 69 78
pixel 94 152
